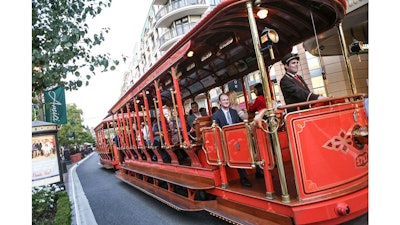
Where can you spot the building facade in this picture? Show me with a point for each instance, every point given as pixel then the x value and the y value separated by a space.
pixel 167 21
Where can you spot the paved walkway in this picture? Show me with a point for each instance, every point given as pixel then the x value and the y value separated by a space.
pixel 81 212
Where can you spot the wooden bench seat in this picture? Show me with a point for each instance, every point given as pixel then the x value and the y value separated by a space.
pixel 199 123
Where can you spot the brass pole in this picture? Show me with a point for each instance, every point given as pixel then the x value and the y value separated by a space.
pixel 115 134
pixel 158 121
pixel 144 123
pixel 128 128
pixel 327 91
pixel 267 95
pixel 346 58
pixel 137 123
pixel 176 116
pixel 120 132
pixel 133 137
pixel 124 131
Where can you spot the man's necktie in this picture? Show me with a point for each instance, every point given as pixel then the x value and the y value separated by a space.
pixel 228 118
pixel 298 78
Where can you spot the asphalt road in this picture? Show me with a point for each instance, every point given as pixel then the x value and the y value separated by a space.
pixel 115 202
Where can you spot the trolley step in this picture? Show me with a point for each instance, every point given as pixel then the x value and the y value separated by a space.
pixel 171 199
pixel 189 181
pixel 237 213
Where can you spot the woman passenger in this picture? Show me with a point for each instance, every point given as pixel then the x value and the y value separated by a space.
pixel 259 103
pixel 235 105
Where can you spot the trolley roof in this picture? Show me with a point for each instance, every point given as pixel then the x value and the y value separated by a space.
pixel 223 48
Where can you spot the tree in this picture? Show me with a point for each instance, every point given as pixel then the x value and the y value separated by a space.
pixel 61 44
pixel 74 132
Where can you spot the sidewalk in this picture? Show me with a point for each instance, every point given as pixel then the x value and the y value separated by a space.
pixel 81 213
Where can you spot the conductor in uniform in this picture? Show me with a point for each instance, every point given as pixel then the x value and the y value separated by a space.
pixel 293 86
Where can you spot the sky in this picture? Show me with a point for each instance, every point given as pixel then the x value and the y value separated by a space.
pixel 125 18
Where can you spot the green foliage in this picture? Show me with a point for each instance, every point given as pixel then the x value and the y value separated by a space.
pixel 74 132
pixel 63 215
pixel 44 203
pixel 61 44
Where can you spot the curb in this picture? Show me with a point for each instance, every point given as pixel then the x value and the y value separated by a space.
pixel 81 213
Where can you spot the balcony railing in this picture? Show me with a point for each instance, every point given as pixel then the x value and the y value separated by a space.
pixel 176 5
pixel 178 31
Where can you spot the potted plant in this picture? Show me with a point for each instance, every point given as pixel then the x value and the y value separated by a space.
pixel 75 155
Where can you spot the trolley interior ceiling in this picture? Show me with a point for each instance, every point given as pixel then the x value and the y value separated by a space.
pixel 223 48
pixel 355 27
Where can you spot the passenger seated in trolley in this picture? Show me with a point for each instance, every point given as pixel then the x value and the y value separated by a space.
pixel 191 118
pixel 233 99
pixel 203 111
pixel 146 133
pixel 117 141
pixel 157 133
pixel 259 103
pixel 227 116
pixel 214 109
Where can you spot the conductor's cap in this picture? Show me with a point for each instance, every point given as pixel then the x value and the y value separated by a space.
pixel 286 59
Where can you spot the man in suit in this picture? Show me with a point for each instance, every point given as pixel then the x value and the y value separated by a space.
pixel 226 116
pixel 293 86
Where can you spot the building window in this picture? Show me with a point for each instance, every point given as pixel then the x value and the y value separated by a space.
pixel 180 25
pixel 214 2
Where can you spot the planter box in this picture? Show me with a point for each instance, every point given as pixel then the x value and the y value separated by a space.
pixel 76 157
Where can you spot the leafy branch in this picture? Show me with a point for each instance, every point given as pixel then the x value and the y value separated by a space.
pixel 62 45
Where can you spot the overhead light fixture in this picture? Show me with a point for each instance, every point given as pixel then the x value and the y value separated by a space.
pixel 262 13
pixel 268 38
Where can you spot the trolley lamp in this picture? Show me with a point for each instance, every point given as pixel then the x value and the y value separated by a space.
pixel 268 38
pixel 356 47
pixel 360 136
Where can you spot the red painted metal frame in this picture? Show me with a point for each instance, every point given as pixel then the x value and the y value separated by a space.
pixel 238 148
pixel 124 131
pixel 180 107
pixel 108 153
pixel 161 115
pixel 214 151
pixel 133 136
pixel 137 116
pixel 319 139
